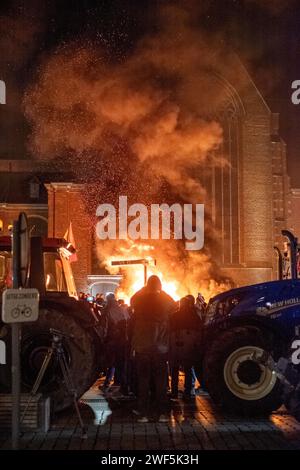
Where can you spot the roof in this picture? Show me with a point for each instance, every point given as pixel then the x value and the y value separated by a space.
pixel 16 176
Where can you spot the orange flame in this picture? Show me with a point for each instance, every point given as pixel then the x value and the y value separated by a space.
pixel 170 287
pixel 172 284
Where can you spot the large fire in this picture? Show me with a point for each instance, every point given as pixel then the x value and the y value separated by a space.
pixel 170 287
pixel 172 280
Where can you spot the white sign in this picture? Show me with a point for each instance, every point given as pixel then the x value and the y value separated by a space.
pixel 2 352
pixel 2 92
pixel 20 305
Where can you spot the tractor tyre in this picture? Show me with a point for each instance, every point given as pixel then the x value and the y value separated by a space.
pixel 235 380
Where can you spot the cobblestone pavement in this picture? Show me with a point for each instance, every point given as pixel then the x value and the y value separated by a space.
pixel 192 426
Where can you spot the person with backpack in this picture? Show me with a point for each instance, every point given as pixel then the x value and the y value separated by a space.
pixel 185 338
pixel 151 308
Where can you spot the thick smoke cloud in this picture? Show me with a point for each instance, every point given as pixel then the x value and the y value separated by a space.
pixel 139 127
pixel 21 29
pixel 275 7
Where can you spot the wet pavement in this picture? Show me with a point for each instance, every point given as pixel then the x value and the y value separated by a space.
pixel 196 425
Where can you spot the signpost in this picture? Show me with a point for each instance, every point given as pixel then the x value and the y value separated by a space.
pixel 144 261
pixel 19 305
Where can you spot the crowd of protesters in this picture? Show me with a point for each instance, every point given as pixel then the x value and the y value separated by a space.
pixel 147 344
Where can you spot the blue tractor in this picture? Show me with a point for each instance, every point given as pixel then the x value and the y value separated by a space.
pixel 247 323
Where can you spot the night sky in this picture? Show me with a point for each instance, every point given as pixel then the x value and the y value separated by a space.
pixel 266 35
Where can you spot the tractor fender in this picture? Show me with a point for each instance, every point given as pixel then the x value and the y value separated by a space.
pixel 268 328
pixel 79 310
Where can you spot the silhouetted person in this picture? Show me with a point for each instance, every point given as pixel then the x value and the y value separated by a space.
pixel 185 339
pixel 100 300
pixel 115 341
pixel 200 306
pixel 81 296
pixel 150 342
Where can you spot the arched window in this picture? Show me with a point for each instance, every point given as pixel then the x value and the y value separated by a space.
pixel 1 226
pixel 38 226
pixel 226 189
pixel 221 181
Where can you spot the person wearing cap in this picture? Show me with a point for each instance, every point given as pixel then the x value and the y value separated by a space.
pixel 151 308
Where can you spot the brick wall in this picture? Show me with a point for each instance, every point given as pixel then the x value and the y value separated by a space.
pixel 65 205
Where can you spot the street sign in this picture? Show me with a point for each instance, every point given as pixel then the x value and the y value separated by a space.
pixel 20 305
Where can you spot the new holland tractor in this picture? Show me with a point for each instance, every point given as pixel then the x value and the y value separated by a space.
pixel 245 324
pixel 51 274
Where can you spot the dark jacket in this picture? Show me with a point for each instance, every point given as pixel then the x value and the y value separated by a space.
pixel 151 321
pixel 114 332
pixel 113 320
pixel 185 337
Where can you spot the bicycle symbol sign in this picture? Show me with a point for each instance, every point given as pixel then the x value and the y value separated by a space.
pixel 21 311
pixel 20 305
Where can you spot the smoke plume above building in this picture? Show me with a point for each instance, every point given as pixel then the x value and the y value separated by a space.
pixel 139 126
pixel 275 7
pixel 22 28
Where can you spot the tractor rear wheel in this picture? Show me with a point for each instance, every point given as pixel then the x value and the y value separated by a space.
pixel 79 351
pixel 234 380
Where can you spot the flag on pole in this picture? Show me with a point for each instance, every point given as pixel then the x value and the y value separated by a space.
pixel 69 236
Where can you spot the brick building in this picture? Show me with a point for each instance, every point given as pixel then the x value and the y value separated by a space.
pixel 65 205
pixel 248 196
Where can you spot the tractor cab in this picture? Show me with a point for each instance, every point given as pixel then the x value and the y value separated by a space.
pixel 50 267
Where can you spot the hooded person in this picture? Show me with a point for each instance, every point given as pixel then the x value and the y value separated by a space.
pixel 185 336
pixel 114 325
pixel 151 308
